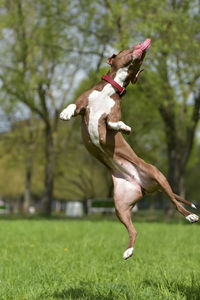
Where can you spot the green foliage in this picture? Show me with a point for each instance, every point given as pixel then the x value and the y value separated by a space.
pixel 147 137
pixel 83 260
pixel 23 142
pixel 192 177
pixel 44 44
pixel 77 176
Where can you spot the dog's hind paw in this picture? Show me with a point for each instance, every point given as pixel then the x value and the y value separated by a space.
pixel 128 253
pixel 193 206
pixel 192 218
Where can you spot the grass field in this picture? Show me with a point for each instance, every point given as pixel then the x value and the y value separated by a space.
pixel 58 259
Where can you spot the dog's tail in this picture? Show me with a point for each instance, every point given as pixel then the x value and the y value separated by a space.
pixel 184 201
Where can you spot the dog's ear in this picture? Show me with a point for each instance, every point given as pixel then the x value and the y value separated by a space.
pixel 134 80
pixel 109 60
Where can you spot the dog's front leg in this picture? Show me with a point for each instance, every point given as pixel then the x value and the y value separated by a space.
pixel 119 126
pixel 68 112
pixel 74 109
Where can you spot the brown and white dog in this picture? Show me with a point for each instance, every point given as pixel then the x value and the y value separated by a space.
pixel 100 108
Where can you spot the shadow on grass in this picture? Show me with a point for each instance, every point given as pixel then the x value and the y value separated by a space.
pixel 79 293
pixel 90 291
pixel 189 292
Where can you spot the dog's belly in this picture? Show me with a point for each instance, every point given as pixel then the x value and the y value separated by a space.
pixel 104 149
pixel 114 152
pixel 140 175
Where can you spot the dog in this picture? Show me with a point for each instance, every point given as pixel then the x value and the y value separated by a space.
pixel 102 128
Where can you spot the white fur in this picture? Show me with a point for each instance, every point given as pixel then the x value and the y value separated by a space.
pixel 99 103
pixel 194 206
pixel 128 253
pixel 132 171
pixel 68 112
pixel 121 75
pixel 192 218
pixel 119 126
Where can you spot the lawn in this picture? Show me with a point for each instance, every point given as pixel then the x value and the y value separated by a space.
pixel 82 259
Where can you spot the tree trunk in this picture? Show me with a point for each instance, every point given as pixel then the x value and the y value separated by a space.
pixel 27 192
pixel 29 164
pixel 49 173
pixel 16 205
pixel 180 127
pixel 176 168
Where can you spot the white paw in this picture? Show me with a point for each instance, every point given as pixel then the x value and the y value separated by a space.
pixel 124 127
pixel 68 112
pixel 128 129
pixel 193 205
pixel 128 253
pixel 192 218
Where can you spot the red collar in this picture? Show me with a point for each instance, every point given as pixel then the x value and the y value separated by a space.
pixel 120 89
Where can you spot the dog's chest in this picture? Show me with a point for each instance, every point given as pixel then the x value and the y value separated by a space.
pixel 99 103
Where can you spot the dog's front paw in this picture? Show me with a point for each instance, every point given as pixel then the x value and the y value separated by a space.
pixel 126 129
pixel 68 112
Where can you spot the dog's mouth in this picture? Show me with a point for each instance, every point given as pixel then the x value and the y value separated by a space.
pixel 138 55
pixel 140 49
pixel 145 45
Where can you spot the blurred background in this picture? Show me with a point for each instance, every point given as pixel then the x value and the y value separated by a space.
pixel 50 52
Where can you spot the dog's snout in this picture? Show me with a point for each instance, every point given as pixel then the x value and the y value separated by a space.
pixel 146 44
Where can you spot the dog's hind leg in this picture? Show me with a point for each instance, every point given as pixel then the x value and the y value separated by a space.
pixel 192 218
pixel 126 194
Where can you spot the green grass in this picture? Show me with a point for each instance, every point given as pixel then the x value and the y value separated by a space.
pixel 58 259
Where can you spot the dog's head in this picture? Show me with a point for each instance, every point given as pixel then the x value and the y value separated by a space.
pixel 130 60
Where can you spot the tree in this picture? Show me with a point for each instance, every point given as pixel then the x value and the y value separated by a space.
pixel 173 76
pixel 46 43
pixel 172 73
pixel 35 69
pixel 172 68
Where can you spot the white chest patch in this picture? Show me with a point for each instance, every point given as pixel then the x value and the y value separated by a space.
pixel 121 75
pixel 99 103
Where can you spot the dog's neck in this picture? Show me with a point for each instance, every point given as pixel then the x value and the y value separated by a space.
pixel 120 76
